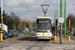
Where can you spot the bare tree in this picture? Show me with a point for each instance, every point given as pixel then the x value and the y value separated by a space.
pixel 72 18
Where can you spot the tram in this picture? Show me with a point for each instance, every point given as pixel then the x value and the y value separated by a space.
pixel 43 29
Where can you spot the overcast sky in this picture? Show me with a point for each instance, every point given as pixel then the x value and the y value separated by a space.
pixel 23 10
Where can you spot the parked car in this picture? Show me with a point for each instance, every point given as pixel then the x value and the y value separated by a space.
pixel 10 33
pixel 16 32
pixel 23 31
pixel 13 32
pixel 27 31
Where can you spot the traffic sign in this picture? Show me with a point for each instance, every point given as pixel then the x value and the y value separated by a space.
pixel 61 20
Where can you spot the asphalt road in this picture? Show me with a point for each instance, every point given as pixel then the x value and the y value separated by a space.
pixel 29 42
pixel 20 34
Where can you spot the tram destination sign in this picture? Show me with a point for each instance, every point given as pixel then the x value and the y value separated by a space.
pixel 43 22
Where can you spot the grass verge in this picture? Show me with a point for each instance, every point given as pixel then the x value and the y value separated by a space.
pixel 28 34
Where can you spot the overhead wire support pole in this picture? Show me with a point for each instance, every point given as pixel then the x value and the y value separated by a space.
pixel 1 34
pixel 65 20
pixel 61 15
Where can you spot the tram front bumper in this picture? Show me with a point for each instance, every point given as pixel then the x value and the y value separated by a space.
pixel 45 37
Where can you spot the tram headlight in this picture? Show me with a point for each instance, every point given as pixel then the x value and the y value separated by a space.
pixel 48 34
pixel 38 34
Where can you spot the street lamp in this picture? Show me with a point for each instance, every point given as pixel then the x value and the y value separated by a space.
pixel 45 8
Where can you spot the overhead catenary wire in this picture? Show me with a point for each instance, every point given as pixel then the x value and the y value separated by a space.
pixel 36 5
pixel 39 4
pixel 22 1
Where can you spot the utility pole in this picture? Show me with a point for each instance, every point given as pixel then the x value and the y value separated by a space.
pixel 61 15
pixel 1 34
pixel 65 20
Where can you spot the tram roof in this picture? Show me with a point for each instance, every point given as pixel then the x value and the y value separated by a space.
pixel 44 17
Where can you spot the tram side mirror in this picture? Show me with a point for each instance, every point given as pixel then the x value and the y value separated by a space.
pixel 61 20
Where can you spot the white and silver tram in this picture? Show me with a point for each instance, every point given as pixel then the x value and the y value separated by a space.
pixel 44 30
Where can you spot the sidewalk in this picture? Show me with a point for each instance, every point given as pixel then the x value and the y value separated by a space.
pixel 65 40
pixel 65 45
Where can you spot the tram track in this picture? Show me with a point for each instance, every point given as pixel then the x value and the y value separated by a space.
pixel 37 44
pixel 43 45
pixel 9 40
pixel 40 44
pixel 12 41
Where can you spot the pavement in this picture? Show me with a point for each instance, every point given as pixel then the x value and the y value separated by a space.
pixel 29 42
pixel 65 40
pixel 38 47
pixel 72 37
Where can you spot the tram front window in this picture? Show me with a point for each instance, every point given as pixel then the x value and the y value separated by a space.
pixel 44 24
